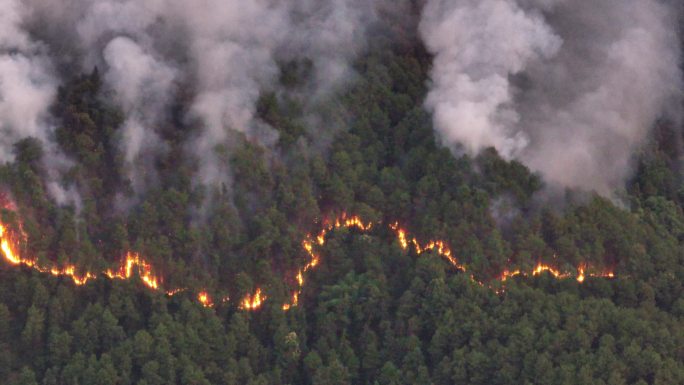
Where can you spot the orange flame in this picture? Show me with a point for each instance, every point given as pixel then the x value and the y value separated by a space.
pixel 253 302
pixel 349 222
pixel 143 268
pixel 439 246
pixel 580 274
pixel 9 245
pixel 540 268
pixel 509 274
pixel 205 299
pixel 133 264
pixel 173 292
pixel 401 235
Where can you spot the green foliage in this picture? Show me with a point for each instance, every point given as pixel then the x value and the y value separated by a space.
pixel 370 313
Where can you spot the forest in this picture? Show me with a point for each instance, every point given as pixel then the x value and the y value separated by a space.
pixel 494 281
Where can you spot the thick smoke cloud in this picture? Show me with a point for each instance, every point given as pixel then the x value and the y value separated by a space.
pixel 27 88
pixel 222 53
pixel 569 87
pixel 221 50
pixel 27 85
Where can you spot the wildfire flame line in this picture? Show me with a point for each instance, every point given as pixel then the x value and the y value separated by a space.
pixel 144 270
pixel 131 265
pixel 134 265
pixel 406 242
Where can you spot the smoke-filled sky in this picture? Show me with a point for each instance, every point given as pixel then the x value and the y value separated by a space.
pixel 569 87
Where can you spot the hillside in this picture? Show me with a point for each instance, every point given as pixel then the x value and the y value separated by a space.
pixel 344 241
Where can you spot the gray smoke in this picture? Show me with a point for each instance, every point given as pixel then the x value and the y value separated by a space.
pixel 221 52
pixel 143 87
pixel 339 28
pixel 27 84
pixel 569 87
pixel 27 88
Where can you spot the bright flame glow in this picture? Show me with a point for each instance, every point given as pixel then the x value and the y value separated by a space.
pixel 253 302
pixel 9 245
pixel 173 292
pixel 580 274
pixel 540 268
pixel 143 268
pixel 205 299
pixel 438 246
pixel 509 274
pixel 133 264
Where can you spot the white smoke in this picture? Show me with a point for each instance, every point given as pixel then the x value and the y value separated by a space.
pixel 226 51
pixel 222 52
pixel 331 33
pixel 26 91
pixel 27 88
pixel 143 86
pixel 571 88
pixel 232 46
pixel 27 85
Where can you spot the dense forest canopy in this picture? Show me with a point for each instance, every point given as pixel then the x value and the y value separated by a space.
pixel 341 239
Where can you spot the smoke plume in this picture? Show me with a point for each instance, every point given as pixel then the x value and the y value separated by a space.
pixel 27 85
pixel 571 88
pixel 222 53
pixel 339 28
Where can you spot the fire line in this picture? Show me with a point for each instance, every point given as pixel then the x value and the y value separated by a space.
pixel 133 264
